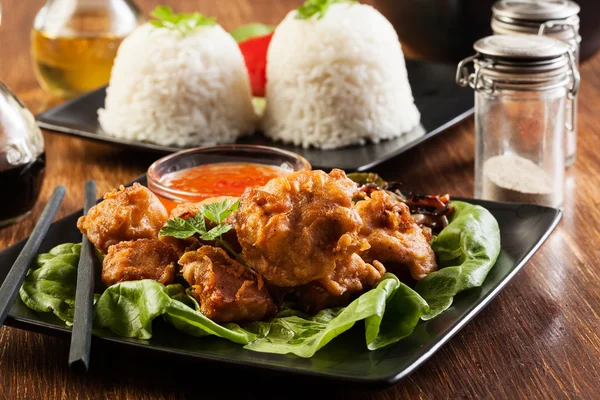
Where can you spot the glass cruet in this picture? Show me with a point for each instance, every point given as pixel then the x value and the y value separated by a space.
pixel 22 158
pixel 74 42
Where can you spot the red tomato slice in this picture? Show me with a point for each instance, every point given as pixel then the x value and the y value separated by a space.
pixel 255 56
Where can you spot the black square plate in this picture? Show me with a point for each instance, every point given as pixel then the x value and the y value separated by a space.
pixel 346 358
pixel 440 100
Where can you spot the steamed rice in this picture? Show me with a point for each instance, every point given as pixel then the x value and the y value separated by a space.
pixel 178 90
pixel 337 81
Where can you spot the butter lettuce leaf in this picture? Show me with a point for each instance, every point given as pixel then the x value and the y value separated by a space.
pixel 391 310
pixel 128 309
pixel 403 310
pixel 50 283
pixel 466 250
pixel 249 31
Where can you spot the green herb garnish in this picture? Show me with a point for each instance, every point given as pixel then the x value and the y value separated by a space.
pixel 216 212
pixel 317 7
pixel 180 22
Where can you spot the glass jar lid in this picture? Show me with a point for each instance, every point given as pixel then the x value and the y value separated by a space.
pixel 529 48
pixel 519 62
pixel 535 10
pixel 557 18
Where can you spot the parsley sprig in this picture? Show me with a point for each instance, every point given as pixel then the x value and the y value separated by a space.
pixel 180 22
pixel 181 228
pixel 316 7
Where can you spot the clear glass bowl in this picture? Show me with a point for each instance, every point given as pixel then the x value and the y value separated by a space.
pixel 195 157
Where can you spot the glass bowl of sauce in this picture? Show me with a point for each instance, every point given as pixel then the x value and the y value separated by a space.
pixel 225 170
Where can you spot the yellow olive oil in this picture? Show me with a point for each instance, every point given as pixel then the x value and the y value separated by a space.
pixel 69 66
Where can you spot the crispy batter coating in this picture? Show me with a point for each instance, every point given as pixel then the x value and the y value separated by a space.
pixel 187 210
pixel 294 229
pixel 394 236
pixel 139 259
pixel 226 290
pixel 352 275
pixel 127 214
pixel 350 278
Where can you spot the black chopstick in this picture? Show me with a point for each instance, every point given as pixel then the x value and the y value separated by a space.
pixel 81 335
pixel 16 275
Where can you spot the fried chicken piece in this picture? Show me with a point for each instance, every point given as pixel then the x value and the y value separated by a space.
pixel 294 229
pixel 139 259
pixel 226 290
pixel 127 214
pixel 350 278
pixel 393 235
pixel 352 275
pixel 188 210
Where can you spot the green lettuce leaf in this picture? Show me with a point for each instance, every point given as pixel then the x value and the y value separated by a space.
pixel 128 309
pixel 466 250
pixel 249 31
pixel 304 336
pixel 50 284
pixel 403 310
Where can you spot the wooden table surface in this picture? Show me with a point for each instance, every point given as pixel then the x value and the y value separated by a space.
pixel 540 338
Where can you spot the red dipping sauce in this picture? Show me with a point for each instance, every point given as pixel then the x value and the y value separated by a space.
pixel 212 180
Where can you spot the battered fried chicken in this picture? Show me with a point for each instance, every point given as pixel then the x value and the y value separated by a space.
pixel 352 275
pixel 188 210
pixel 394 236
pixel 350 278
pixel 226 290
pixel 139 259
pixel 294 229
pixel 127 214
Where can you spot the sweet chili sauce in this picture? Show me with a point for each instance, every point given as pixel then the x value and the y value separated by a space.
pixel 223 179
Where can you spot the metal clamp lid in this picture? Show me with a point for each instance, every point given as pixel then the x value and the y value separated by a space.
pixel 527 10
pixel 526 48
pixel 550 65
pixel 563 29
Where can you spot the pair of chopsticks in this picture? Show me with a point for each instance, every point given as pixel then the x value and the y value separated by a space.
pixel 79 353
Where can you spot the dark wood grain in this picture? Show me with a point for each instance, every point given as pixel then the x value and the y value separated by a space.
pixel 540 338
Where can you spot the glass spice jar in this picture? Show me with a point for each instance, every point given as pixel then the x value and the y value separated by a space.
pixel 521 84
pixel 555 18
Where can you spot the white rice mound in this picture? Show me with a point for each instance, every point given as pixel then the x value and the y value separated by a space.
pixel 178 90
pixel 337 81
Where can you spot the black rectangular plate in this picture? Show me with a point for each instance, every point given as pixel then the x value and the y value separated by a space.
pixel 440 100
pixel 523 229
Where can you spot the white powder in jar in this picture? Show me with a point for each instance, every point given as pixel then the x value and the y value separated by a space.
pixel 516 179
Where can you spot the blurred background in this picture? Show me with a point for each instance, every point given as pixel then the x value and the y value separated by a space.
pixel 444 30
pixel 436 30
